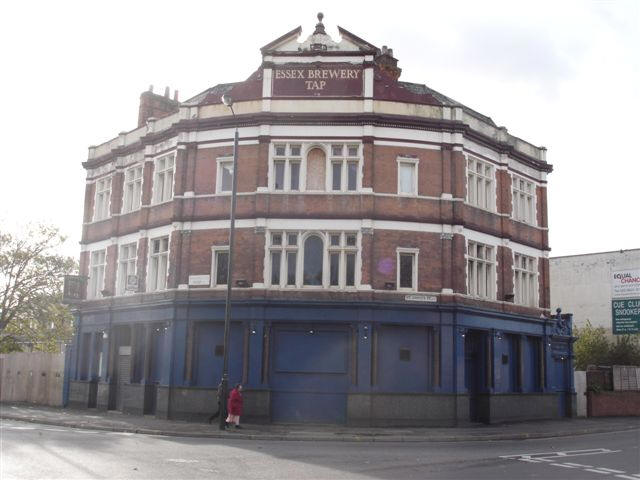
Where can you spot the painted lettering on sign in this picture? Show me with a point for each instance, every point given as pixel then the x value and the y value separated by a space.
pixel 625 314
pixel 626 283
pixel 330 80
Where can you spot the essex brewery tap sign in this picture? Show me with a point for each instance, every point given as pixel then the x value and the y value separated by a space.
pixel 625 306
pixel 317 80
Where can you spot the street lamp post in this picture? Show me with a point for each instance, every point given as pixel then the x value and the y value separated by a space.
pixel 228 101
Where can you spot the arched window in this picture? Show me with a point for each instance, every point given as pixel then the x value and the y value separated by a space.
pixel 316 167
pixel 313 253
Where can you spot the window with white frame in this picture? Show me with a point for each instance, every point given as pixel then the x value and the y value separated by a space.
pixel 97 263
pixel 481 184
pixel 525 280
pixel 158 262
pixel 163 178
pixel 345 167
pixel 283 258
pixel 343 249
pixel 224 176
pixel 323 259
pixel 287 161
pixel 103 199
pixel 313 261
pixel 339 171
pixel 481 270
pixel 523 195
pixel 219 266
pixel 132 191
pixel 407 268
pixel 127 258
pixel 407 176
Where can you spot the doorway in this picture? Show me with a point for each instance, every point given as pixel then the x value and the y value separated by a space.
pixel 475 374
pixel 309 372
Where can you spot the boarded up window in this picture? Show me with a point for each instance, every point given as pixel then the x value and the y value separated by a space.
pixel 316 164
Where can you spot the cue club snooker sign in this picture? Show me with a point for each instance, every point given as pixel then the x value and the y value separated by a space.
pixel 327 80
pixel 625 303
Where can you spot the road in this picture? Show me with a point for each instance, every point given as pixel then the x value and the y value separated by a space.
pixel 33 451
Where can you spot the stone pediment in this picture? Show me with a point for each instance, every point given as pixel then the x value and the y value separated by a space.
pixel 318 42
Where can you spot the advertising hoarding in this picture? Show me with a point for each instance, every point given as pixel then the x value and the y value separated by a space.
pixel 626 283
pixel 626 316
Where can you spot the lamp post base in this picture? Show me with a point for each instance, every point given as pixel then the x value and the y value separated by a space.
pixel 224 393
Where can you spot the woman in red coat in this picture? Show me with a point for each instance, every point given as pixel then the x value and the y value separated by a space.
pixel 234 406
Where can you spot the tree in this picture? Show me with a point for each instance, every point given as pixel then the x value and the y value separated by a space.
pixel 31 279
pixel 594 347
pixel 591 348
pixel 625 350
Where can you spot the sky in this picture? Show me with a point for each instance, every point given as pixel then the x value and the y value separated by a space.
pixel 562 74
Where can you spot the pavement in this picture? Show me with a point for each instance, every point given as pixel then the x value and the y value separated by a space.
pixel 118 422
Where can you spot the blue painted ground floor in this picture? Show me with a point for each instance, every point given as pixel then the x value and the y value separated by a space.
pixel 345 363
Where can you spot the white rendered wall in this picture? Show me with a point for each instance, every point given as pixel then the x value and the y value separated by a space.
pixel 581 284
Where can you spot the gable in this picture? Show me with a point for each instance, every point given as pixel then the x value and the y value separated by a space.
pixel 319 41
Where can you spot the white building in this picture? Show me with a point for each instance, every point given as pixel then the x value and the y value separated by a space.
pixel 583 284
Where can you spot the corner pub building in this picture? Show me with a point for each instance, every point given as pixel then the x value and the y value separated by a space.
pixel 391 262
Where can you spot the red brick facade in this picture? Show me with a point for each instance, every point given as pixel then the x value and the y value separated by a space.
pixel 438 220
pixel 441 173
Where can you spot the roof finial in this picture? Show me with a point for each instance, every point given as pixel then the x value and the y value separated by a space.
pixel 319 25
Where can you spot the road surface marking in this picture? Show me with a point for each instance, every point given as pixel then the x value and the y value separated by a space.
pixel 569 453
pixel 550 456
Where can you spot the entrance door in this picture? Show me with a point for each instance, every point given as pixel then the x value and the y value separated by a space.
pixel 475 372
pixel 156 349
pixel 123 374
pixel 309 374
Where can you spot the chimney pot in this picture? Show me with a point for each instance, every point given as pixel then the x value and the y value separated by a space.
pixel 151 88
pixel 166 92
pixel 175 95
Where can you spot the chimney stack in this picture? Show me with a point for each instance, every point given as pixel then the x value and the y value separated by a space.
pixel 154 105
pixel 385 61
